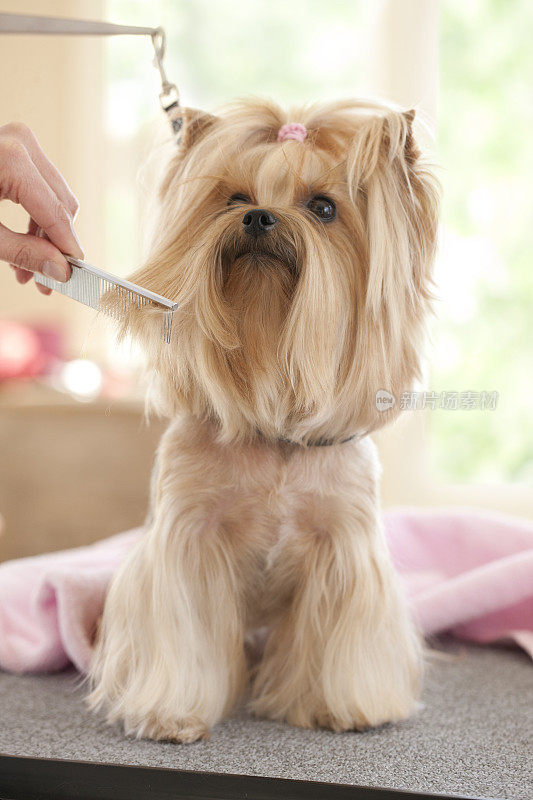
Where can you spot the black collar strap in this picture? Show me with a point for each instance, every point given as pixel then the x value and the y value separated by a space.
pixel 322 442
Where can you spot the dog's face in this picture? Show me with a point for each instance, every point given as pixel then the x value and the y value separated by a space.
pixel 301 269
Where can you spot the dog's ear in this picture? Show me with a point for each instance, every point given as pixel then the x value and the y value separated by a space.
pixel 397 198
pixel 398 136
pixel 400 197
pixel 382 139
pixel 195 124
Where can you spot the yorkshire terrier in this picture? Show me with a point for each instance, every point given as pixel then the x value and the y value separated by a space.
pixel 299 249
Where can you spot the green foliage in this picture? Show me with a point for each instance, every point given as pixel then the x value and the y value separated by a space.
pixel 222 49
pixel 486 149
pixel 292 51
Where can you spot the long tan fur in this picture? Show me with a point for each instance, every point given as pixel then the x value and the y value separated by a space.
pixel 277 345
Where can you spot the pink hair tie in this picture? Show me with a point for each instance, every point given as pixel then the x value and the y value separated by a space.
pixel 292 130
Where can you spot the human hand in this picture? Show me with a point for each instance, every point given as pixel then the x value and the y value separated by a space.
pixel 29 178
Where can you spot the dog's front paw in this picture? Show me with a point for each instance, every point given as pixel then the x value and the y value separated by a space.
pixel 304 713
pixel 332 722
pixel 315 719
pixel 185 730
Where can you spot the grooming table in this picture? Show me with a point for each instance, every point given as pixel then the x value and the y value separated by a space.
pixel 471 739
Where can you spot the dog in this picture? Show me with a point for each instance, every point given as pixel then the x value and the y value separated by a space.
pixel 299 249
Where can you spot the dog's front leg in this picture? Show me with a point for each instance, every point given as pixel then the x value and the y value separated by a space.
pixel 342 653
pixel 170 658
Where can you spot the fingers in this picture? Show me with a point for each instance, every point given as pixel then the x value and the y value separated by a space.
pixel 23 275
pixel 33 228
pixel 29 178
pixel 21 181
pixel 21 132
pixel 32 254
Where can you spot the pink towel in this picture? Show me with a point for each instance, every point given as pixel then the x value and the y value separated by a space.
pixel 464 572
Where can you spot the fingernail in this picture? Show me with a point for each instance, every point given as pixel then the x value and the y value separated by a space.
pixel 80 254
pixel 55 271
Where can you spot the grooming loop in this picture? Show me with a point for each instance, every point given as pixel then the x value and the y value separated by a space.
pixel 169 96
pixel 32 24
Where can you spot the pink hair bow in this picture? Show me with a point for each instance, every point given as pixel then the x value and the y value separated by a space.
pixel 292 130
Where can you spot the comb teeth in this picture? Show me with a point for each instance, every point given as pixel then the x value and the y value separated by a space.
pixel 89 284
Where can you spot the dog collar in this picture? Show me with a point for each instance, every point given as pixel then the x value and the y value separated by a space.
pixel 324 442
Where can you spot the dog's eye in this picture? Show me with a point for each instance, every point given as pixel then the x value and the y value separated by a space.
pixel 322 207
pixel 238 198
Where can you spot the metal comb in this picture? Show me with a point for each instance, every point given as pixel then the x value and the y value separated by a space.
pixel 88 284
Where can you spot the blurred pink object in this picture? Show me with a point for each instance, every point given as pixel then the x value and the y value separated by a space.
pixel 27 351
pixel 292 130
pixel 467 573
pixel 49 604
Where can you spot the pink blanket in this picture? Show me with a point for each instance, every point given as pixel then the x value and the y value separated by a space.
pixel 464 572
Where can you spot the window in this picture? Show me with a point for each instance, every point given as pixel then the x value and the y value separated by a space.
pixel 483 339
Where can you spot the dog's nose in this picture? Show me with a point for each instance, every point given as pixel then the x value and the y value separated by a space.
pixel 258 221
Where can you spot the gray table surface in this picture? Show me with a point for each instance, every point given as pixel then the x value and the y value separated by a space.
pixel 472 737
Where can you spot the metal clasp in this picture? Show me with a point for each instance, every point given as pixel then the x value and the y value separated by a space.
pixel 169 97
